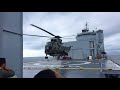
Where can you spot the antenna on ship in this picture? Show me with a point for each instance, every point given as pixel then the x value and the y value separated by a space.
pixel 96 28
pixel 86 25
pixel 87 29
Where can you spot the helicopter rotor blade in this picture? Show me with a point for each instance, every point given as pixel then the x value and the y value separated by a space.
pixel 68 36
pixel 43 29
pixel 36 35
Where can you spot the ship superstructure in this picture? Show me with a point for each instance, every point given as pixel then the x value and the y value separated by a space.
pixel 88 43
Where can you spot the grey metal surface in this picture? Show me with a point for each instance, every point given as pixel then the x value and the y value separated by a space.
pixel 81 73
pixel 0 41
pixel 114 69
pixel 12 44
pixel 90 69
pixel 81 48
pixel 53 63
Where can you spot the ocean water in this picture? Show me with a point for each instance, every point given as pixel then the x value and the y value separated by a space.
pixel 33 65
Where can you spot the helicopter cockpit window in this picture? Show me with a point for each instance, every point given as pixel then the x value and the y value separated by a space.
pixel 53 40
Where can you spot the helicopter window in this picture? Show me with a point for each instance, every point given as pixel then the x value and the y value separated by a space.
pixel 53 40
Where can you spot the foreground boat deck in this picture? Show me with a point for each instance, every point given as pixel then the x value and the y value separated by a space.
pixel 76 68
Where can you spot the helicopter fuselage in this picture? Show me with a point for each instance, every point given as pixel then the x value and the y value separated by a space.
pixel 56 48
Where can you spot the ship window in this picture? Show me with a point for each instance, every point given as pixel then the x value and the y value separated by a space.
pixel 91 52
pixel 91 44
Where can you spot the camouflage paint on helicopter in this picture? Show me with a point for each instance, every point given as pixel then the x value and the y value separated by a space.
pixel 55 46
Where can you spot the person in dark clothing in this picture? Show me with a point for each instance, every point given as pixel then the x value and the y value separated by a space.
pixel 48 74
pixel 5 72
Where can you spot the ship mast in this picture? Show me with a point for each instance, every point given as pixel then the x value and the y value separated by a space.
pixel 86 25
pixel 86 28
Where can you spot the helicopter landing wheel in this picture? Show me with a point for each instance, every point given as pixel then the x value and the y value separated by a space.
pixel 46 57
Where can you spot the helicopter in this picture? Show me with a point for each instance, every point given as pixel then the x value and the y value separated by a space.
pixel 55 46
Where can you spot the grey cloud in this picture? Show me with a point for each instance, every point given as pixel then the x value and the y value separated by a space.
pixel 112 30
pixel 35 47
pixel 34 43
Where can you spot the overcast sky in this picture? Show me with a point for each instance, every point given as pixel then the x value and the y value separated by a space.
pixel 69 23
